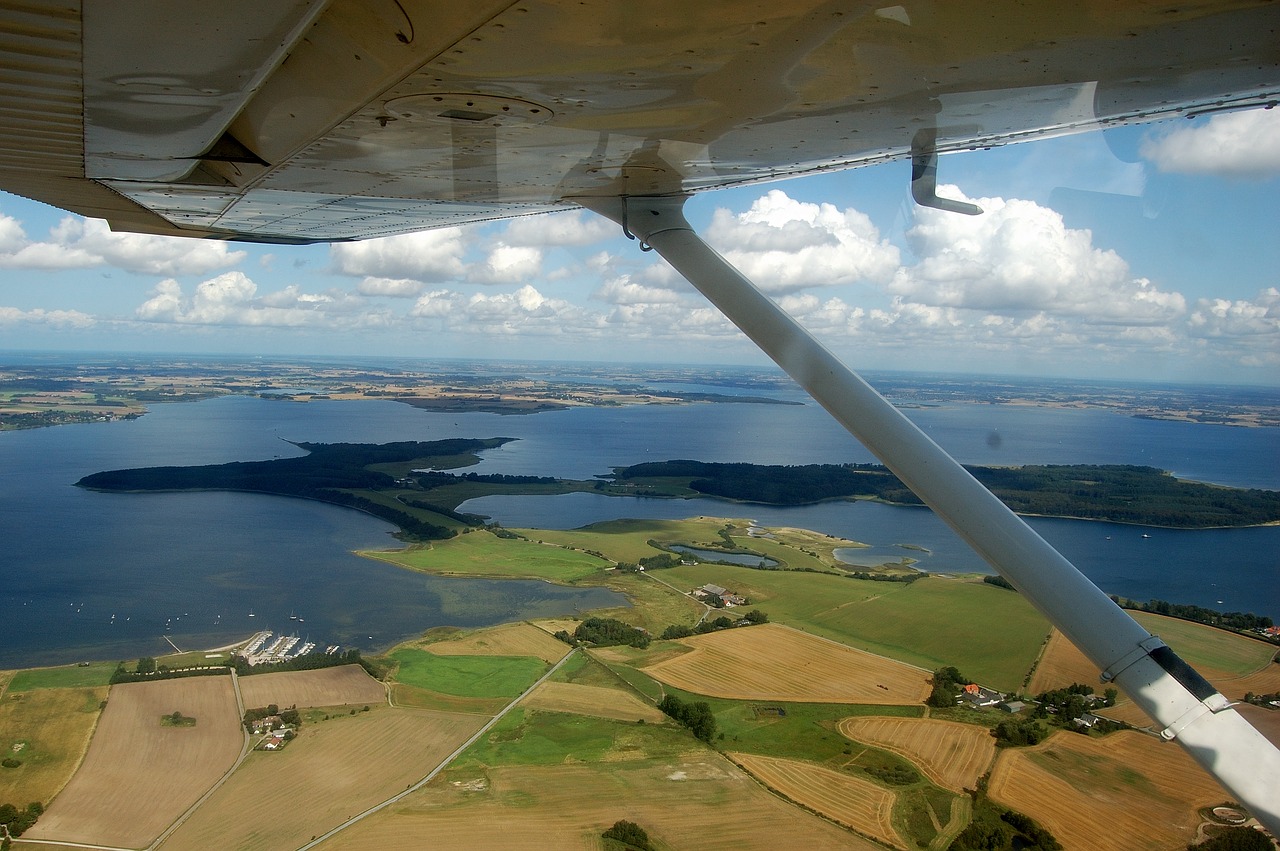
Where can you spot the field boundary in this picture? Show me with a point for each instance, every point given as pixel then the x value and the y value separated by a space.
pixel 443 763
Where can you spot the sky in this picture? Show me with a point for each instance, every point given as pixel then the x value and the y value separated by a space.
pixel 1146 252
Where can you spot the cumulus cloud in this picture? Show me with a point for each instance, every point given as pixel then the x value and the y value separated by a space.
pixel 623 290
pixel 506 264
pixel 1235 144
pixel 231 299
pixel 76 243
pixel 429 256
pixel 559 229
pixel 1019 256
pixel 1258 317
pixel 786 245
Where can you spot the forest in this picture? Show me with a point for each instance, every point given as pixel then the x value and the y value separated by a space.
pixel 1120 493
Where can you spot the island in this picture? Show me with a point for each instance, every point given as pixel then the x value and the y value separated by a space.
pixel 406 484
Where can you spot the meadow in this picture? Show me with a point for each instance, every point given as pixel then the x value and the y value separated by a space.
pixel 467 676
pixel 50 729
pixel 483 554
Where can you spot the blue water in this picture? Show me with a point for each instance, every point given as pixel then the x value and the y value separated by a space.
pixel 201 562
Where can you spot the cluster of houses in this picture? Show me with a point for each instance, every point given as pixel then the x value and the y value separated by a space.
pixel 978 697
pixel 274 731
pixel 721 598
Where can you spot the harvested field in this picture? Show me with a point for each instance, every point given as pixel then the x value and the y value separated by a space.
pixel 52 726
pixel 700 801
pixel 139 776
pixel 337 767
pixel 597 701
pixel 952 754
pixel 345 684
pixel 1062 664
pixel 514 639
pixel 1126 792
pixel 1266 721
pixel 860 804
pixel 772 662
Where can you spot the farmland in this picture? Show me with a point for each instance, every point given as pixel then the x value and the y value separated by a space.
pixel 691 799
pixel 168 768
pixel 885 617
pixel 338 767
pixel 773 662
pixel 345 684
pixel 514 639
pixel 951 754
pixel 859 804
pixel 593 700
pixel 52 727
pixel 1127 792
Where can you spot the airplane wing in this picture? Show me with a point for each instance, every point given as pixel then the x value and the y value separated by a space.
pixel 306 120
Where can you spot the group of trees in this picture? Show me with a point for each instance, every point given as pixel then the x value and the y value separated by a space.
pixel 1235 839
pixel 309 662
pixel 947 685
pixel 605 632
pixel 679 630
pixel 290 716
pixel 17 822
pixel 629 834
pixel 698 716
pixel 995 828
pixel 146 668
pixel 1242 621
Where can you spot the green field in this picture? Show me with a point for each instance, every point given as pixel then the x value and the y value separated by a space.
pixel 1208 647
pixel 66 676
pixel 481 553
pixel 526 737
pixel 467 676
pixel 991 635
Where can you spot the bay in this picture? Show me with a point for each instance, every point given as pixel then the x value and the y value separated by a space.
pixel 198 563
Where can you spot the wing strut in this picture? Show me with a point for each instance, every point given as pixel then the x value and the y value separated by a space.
pixel 1183 704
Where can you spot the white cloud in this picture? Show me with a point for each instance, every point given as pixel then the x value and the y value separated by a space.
pixel 506 264
pixel 1019 256
pixel 1234 144
pixel 231 299
pixel 76 243
pixel 429 256
pixel 559 229
pixel 623 290
pixel 1259 317
pixel 393 287
pixel 74 319
pixel 786 245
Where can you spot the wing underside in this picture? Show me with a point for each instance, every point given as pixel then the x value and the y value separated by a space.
pixel 305 120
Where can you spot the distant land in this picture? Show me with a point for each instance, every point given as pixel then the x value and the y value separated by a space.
pixel 52 389
pixel 390 481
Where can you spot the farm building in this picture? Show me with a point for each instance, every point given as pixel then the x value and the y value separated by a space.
pixel 976 695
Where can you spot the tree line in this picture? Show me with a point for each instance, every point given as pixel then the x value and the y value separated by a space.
pixel 1121 493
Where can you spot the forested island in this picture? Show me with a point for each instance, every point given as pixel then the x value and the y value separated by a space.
pixel 405 484
pixel 1120 493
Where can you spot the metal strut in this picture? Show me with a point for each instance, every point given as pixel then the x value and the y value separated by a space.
pixel 1165 687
